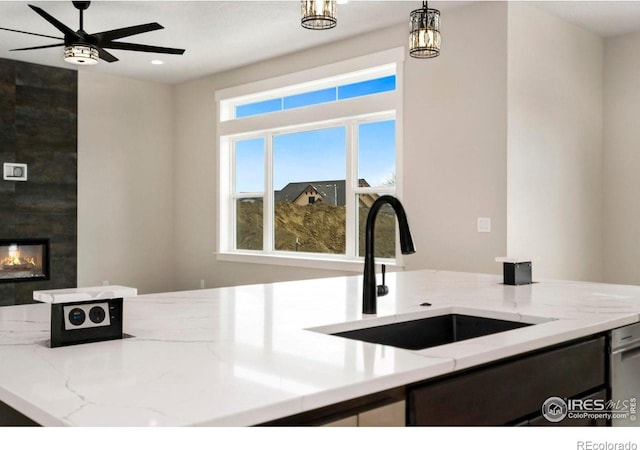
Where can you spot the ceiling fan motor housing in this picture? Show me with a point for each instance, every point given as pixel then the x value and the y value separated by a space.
pixel 81 5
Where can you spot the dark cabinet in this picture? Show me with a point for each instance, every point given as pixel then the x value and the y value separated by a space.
pixel 9 417
pixel 510 391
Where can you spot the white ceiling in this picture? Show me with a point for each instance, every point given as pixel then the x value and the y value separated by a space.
pixel 221 35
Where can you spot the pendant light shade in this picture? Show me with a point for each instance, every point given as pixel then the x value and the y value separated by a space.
pixel 318 14
pixel 82 54
pixel 424 37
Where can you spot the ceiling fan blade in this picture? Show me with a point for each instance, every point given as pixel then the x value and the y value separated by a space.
pixel 143 48
pixel 36 48
pixel 105 55
pixel 118 33
pixel 56 23
pixel 33 34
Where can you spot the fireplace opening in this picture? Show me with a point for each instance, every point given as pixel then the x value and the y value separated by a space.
pixel 24 260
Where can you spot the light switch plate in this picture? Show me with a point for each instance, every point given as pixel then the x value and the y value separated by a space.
pixel 14 172
pixel 484 224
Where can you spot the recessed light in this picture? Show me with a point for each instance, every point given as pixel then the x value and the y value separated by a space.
pixel 342 2
pixel 157 62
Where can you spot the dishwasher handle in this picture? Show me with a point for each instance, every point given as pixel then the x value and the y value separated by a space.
pixel 627 354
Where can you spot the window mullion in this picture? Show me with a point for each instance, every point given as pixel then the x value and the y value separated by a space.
pixel 351 183
pixel 242 195
pixel 268 200
pixel 376 190
pixel 232 207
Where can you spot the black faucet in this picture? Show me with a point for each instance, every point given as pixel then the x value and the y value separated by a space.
pixel 370 291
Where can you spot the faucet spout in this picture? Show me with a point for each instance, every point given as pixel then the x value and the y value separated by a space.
pixel 369 288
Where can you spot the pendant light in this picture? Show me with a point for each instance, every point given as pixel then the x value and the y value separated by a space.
pixel 318 14
pixel 424 37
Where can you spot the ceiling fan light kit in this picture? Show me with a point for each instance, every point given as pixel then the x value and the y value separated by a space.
pixel 86 55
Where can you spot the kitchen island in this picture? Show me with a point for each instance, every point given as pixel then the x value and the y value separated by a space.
pixel 251 355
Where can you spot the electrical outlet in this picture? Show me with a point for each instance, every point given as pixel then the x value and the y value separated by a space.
pixel 79 315
pixel 484 224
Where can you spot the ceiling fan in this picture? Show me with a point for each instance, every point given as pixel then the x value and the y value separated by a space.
pixel 83 48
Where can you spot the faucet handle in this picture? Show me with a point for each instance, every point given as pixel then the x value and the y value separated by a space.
pixel 382 289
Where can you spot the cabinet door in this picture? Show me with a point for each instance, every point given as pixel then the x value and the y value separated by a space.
pixel 505 392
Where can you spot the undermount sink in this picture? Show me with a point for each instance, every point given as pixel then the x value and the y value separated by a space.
pixel 431 331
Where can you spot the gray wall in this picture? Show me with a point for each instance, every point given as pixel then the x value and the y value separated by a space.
pixel 555 86
pixel 125 183
pixel 38 117
pixel 622 159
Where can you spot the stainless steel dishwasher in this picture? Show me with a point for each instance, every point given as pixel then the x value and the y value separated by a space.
pixel 625 374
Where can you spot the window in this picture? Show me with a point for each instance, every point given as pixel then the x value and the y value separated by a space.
pixel 321 228
pixel 301 164
pixel 343 92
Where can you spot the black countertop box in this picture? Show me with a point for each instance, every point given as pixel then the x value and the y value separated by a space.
pixel 518 273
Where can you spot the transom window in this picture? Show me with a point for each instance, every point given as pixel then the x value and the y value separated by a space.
pixel 301 165
pixel 315 97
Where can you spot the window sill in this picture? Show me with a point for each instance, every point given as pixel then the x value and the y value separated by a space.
pixel 309 261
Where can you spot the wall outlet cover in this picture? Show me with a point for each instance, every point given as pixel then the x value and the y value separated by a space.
pixel 484 224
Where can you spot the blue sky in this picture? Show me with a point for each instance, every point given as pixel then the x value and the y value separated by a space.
pixel 309 156
pixel 377 151
pixel 250 165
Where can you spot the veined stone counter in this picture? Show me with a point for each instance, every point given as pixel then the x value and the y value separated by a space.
pixel 245 355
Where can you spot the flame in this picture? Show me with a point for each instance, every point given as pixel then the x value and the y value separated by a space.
pixel 14 259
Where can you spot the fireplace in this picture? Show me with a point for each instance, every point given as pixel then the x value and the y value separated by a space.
pixel 24 260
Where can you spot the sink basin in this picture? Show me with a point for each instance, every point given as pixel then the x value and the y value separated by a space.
pixel 431 331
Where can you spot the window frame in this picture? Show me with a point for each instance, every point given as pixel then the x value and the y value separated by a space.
pixel 371 108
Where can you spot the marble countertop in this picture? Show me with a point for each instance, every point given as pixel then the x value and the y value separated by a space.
pixel 250 354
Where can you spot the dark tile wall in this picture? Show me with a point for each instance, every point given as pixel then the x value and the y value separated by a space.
pixel 38 126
